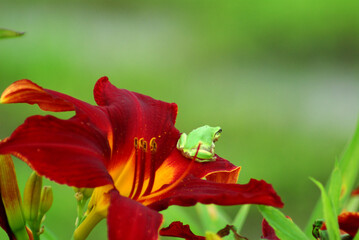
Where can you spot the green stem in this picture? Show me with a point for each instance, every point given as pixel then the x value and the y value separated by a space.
pixel 35 228
pixel 22 234
pixel 84 229
pixel 36 236
pixel 80 211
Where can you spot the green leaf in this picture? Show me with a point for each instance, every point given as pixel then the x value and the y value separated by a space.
pixel 356 236
pixel 240 217
pixel 283 227
pixel 329 212
pixel 348 167
pixel 335 187
pixel 352 205
pixel 6 33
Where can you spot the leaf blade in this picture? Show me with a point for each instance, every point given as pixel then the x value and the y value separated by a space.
pixel 284 227
pixel 329 212
pixel 6 33
pixel 335 187
pixel 349 169
pixel 240 217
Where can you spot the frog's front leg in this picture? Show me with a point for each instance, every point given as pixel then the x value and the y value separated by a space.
pixel 182 142
pixel 205 155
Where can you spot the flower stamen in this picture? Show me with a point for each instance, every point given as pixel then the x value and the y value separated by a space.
pixel 153 148
pixel 135 143
pixel 142 168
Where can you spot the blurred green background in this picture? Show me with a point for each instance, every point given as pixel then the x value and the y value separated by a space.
pixel 280 77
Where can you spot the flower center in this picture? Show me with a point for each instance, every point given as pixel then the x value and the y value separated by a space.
pixel 137 179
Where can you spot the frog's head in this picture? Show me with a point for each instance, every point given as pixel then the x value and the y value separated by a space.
pixel 217 133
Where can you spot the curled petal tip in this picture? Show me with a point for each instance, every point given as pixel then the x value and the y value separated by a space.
pixel 16 91
pixel 99 86
pixel 104 78
pixel 25 91
pixel 230 176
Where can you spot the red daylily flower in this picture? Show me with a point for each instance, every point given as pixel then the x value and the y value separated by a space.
pixel 125 148
pixel 348 223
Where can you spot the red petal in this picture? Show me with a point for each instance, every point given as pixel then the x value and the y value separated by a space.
pixel 268 232
pixel 210 170
pixel 130 220
pixel 177 229
pixel 223 171
pixel 176 164
pixel 72 151
pixel 25 91
pixel 225 177
pixel 349 222
pixel 136 115
pixel 193 190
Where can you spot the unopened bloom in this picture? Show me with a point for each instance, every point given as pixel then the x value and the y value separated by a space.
pixel 12 219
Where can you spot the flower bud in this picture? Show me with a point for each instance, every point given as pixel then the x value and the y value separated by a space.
pixel 83 193
pixel 46 200
pixel 10 196
pixel 32 196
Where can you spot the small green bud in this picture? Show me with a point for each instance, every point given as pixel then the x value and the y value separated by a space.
pixel 32 196
pixel 46 200
pixel 83 193
pixel 87 192
pixel 11 198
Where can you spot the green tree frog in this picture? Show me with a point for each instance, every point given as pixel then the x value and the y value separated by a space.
pixel 206 136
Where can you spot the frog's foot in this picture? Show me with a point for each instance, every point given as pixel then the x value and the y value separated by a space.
pixel 206 160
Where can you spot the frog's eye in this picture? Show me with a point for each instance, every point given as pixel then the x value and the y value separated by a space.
pixel 217 135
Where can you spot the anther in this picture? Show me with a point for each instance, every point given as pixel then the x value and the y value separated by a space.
pixel 144 146
pixel 140 143
pixel 153 145
pixel 135 143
